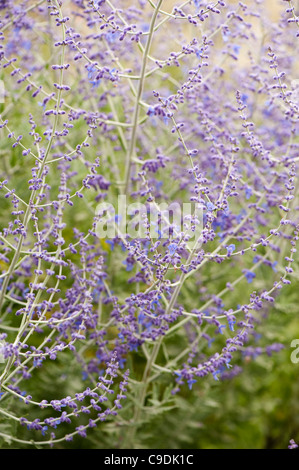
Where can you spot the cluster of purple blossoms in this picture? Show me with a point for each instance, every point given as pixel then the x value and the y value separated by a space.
pixel 198 104
pixel 292 444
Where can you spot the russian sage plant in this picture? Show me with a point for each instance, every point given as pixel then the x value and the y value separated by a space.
pixel 149 206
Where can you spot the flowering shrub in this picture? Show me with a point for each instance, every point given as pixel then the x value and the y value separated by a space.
pixel 194 103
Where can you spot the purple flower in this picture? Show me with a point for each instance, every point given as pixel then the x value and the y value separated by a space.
pixel 249 275
pixel 292 444
pixel 230 249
